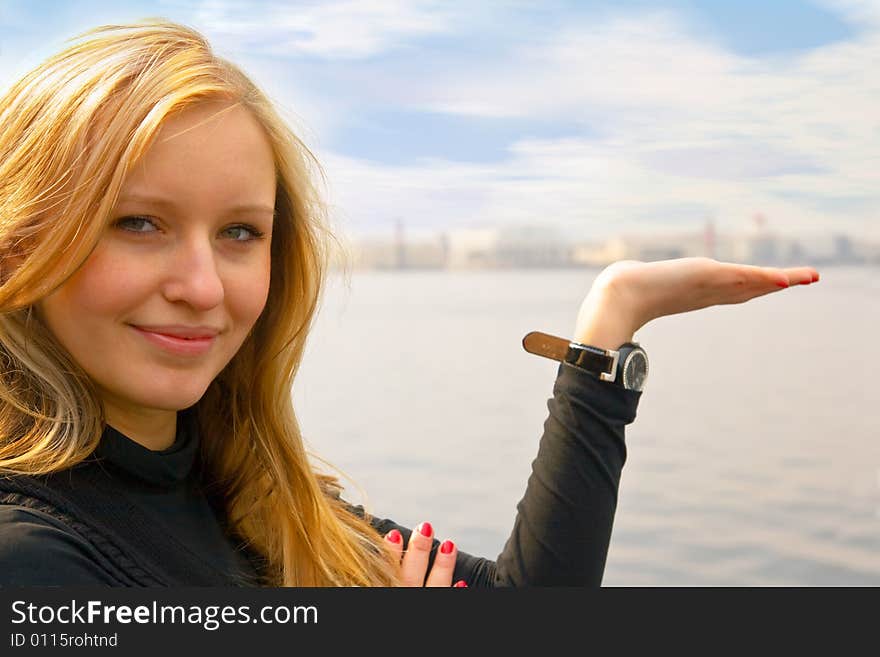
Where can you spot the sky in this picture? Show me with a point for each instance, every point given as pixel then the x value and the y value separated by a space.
pixel 596 119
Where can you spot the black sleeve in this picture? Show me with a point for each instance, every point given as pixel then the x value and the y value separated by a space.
pixel 38 550
pixel 563 524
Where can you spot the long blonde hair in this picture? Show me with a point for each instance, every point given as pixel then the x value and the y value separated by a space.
pixel 69 132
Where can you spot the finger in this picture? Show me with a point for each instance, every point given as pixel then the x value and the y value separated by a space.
pixel 415 559
pixel 785 278
pixel 801 275
pixel 394 540
pixel 444 564
pixel 751 281
pixel 755 273
pixel 753 277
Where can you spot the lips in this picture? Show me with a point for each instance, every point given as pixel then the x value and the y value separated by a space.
pixel 181 332
pixel 181 341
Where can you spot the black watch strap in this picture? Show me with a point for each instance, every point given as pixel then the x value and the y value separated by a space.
pixel 593 359
pixel 601 362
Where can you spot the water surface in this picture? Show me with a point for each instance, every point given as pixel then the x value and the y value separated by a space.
pixel 754 458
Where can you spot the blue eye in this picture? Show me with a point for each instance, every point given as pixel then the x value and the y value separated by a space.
pixel 253 232
pixel 137 220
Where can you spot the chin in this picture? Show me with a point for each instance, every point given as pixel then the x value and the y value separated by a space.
pixel 172 400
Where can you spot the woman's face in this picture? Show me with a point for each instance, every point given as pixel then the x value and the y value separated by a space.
pixel 182 256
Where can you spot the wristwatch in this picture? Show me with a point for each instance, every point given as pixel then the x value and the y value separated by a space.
pixel 627 366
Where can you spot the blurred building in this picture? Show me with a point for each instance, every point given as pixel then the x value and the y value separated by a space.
pixel 758 245
pixel 652 247
pixel 376 253
pixel 516 246
pixel 871 253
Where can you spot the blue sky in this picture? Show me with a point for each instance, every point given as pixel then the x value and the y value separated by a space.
pixel 598 118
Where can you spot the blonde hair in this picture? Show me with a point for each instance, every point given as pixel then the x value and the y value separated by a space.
pixel 69 132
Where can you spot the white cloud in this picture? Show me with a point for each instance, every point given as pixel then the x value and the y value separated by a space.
pixel 347 29
pixel 857 12
pixel 684 128
pixel 628 63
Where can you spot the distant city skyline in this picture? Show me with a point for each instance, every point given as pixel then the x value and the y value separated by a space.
pixel 531 246
pixel 635 116
pixel 745 223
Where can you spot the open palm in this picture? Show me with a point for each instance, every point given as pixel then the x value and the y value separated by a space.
pixel 670 287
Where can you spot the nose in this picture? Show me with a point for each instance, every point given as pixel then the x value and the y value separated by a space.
pixel 193 276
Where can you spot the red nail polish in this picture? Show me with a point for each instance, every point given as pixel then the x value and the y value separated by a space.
pixel 806 282
pixel 425 529
pixel 447 546
pixel 781 284
pixel 394 536
pixel 815 277
pixel 460 584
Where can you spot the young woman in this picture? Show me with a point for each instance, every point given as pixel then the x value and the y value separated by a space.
pixel 163 252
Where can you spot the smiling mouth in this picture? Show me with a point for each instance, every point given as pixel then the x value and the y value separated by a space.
pixel 177 345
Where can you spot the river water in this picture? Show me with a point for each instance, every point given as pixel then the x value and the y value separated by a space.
pixel 754 459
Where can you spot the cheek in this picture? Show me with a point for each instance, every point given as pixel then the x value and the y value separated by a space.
pixel 104 287
pixel 246 297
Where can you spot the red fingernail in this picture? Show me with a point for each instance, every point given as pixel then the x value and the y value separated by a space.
pixel 781 284
pixel 447 546
pixel 425 529
pixel 806 282
pixel 394 536
pixel 460 584
pixel 815 277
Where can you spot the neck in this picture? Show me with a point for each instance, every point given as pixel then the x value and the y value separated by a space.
pixel 154 429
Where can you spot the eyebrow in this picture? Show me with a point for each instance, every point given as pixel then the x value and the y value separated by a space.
pixel 164 202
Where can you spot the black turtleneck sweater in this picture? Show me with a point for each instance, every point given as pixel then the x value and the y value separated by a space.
pixel 129 516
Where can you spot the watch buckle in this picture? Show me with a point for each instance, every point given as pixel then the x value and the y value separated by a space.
pixel 612 375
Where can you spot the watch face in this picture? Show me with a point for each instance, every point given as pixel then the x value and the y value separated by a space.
pixel 635 370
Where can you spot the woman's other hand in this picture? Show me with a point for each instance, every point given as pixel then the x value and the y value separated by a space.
pixel 628 294
pixel 414 560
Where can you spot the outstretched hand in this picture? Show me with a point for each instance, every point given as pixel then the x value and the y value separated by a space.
pixel 628 294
